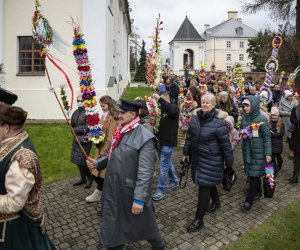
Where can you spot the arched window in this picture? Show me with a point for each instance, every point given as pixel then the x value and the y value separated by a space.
pixel 188 58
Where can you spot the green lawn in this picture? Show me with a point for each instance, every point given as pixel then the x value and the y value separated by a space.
pixel 130 93
pixel 53 145
pixel 281 231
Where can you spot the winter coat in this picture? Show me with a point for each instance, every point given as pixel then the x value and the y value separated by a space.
pixel 285 110
pixel 233 133
pixel 276 138
pixel 129 176
pixel 295 139
pixel 256 149
pixel 168 125
pixel 78 123
pixel 208 147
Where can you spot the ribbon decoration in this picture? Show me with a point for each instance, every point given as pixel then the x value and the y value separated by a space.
pixel 43 34
pixel 51 59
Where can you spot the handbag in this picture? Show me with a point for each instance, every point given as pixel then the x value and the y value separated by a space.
pixel 229 178
pixel 268 189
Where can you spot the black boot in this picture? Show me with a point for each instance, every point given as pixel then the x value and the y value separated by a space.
pixel 214 206
pixel 246 207
pixel 89 182
pixel 82 177
pixel 196 225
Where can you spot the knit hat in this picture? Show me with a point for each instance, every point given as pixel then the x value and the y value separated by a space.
pixel 223 94
pixel 275 111
pixel 287 93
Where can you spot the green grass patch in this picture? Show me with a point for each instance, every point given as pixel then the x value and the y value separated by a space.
pixel 53 144
pixel 132 92
pixel 281 231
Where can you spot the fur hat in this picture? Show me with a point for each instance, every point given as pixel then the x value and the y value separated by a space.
pixel 12 115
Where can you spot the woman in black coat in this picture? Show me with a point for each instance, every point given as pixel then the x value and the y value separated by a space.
pixel 277 133
pixel 78 123
pixel 295 142
pixel 207 147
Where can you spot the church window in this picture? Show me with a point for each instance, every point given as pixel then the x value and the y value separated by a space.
pixel 30 61
pixel 228 68
pixel 228 44
pixel 241 57
pixel 228 57
pixel 242 43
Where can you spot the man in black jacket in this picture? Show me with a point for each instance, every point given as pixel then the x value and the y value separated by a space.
pixel 167 136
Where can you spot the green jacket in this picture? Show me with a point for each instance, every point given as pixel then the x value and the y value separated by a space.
pixel 256 149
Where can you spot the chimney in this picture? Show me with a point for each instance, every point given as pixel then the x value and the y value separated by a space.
pixel 232 14
pixel 206 27
pixel 239 19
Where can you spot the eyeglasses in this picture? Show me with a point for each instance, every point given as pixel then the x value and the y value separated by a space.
pixel 79 100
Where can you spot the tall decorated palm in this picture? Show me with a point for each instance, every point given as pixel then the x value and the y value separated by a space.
pixel 279 10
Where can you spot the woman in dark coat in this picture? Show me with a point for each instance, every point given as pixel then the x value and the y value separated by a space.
pixel 256 150
pixel 295 142
pixel 277 133
pixel 78 123
pixel 207 147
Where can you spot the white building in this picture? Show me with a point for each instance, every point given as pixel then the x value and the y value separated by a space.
pixel 106 26
pixel 226 43
pixel 186 48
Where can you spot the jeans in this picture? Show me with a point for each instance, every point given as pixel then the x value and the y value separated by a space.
pixel 204 195
pixel 254 188
pixel 166 168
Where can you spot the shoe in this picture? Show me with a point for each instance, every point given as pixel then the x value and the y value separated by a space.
pixel 214 206
pixel 89 182
pixel 246 207
pixel 172 185
pixel 80 182
pixel 196 225
pixel 96 196
pixel 158 196
pixel 293 179
pixel 162 247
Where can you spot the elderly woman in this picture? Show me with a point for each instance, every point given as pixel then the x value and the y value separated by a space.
pixel 257 149
pixel 207 147
pixel 286 104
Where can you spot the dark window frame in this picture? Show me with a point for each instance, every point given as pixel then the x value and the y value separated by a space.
pixel 33 58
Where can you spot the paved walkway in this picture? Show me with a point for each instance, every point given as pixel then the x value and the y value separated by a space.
pixel 74 224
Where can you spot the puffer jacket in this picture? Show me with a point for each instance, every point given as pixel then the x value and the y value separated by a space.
pixel 208 147
pixel 276 137
pixel 256 149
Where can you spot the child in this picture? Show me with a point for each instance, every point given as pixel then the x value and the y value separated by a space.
pixel 277 133
pixel 233 133
pixel 186 109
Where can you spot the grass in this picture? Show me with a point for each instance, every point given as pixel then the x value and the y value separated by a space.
pixel 281 231
pixel 53 144
pixel 130 93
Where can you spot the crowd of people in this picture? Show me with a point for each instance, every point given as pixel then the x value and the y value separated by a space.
pixel 207 121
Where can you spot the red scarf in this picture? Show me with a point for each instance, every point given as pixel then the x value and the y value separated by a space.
pixel 120 131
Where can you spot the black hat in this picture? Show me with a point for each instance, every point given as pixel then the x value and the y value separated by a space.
pixel 129 106
pixel 7 97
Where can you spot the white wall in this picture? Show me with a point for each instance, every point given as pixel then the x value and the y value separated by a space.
pixel 178 50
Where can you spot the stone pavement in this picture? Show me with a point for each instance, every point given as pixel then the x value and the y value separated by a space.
pixel 74 224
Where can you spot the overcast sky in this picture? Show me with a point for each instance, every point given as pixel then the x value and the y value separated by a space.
pixel 199 12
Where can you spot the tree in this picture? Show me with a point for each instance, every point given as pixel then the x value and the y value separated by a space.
pixel 285 10
pixel 141 69
pixel 132 59
pixel 259 50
